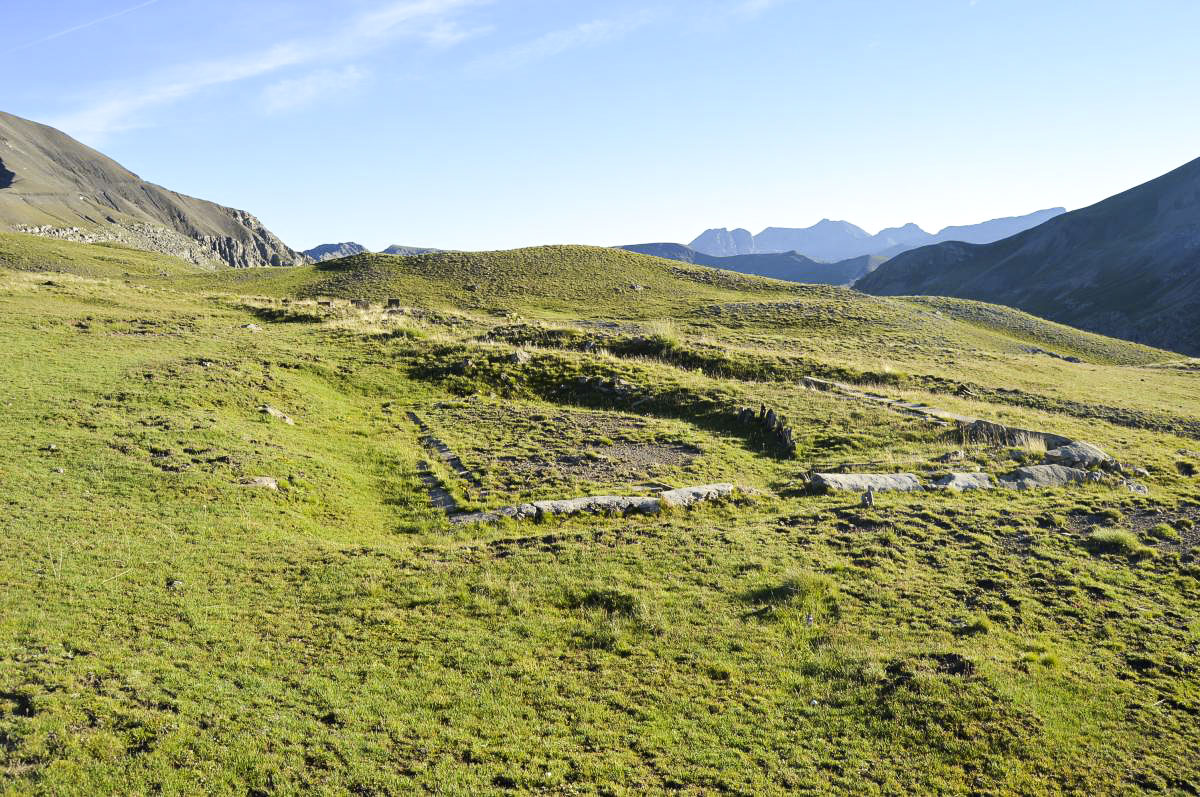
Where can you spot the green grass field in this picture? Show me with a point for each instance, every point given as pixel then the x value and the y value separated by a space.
pixel 167 629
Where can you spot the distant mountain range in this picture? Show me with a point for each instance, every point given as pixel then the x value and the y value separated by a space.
pixel 833 241
pixel 325 252
pixel 409 251
pixel 1128 266
pixel 785 265
pixel 52 185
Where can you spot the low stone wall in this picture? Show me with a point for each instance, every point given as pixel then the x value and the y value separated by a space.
pixel 607 505
pixel 772 425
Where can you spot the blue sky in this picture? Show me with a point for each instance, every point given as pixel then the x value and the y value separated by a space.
pixel 490 124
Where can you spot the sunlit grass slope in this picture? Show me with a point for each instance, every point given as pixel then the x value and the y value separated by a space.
pixel 167 628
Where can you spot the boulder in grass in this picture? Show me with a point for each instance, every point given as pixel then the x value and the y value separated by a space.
pixel 960 482
pixel 861 482
pixel 1044 477
pixel 262 483
pixel 267 409
pixel 689 496
pixel 1079 455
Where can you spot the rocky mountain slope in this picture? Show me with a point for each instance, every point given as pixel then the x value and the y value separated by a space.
pixel 408 251
pixel 840 240
pixel 789 266
pixel 320 254
pixel 53 186
pixel 1125 267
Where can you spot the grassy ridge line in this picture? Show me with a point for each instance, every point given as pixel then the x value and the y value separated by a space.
pixel 1066 340
pixel 558 279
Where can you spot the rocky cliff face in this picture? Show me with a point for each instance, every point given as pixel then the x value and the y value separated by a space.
pixel 52 185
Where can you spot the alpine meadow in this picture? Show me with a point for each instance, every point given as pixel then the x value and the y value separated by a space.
pixel 798 512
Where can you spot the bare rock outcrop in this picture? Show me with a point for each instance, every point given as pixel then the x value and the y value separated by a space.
pixel 1080 455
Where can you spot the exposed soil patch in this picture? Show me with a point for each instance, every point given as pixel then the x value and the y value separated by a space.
pixel 1141 523
pixel 621 462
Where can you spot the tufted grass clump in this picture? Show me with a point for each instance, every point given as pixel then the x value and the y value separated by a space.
pixel 976 626
pixel 1052 520
pixel 1165 532
pixel 665 333
pixel 814 594
pixel 1040 654
pixel 615 603
pixel 1120 542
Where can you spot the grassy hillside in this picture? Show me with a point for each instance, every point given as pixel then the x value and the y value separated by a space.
pixel 168 627
pixel 30 253
pixel 555 280
pixel 562 278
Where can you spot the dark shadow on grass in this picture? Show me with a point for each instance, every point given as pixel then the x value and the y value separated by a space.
pixel 286 315
pixel 6 177
pixel 612 601
pixel 814 593
pixel 22 704
pixel 776 595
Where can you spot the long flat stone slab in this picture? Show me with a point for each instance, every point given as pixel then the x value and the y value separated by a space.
pixel 1043 477
pixel 689 496
pixel 861 482
pixel 960 482
pixel 602 505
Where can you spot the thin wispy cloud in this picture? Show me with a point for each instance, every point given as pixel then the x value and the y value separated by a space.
pixel 752 8
pixel 302 92
pixel 587 34
pixel 429 20
pixel 81 26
